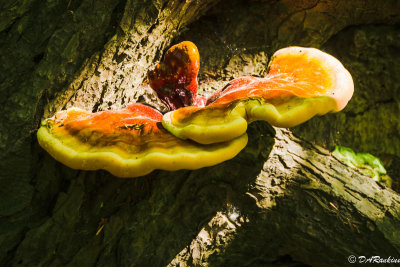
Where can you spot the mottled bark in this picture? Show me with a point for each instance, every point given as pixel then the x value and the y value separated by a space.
pixel 282 200
pixel 304 207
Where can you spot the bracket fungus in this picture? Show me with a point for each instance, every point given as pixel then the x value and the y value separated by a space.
pixel 175 78
pixel 301 83
pixel 128 143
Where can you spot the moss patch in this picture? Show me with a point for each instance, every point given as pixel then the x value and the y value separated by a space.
pixel 365 162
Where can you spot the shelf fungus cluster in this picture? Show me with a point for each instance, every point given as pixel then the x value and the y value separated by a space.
pixel 197 132
pixel 128 143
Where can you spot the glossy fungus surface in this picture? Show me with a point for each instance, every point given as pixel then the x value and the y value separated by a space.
pixel 301 83
pixel 175 78
pixel 128 143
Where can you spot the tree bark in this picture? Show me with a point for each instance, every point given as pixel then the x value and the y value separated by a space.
pixel 284 200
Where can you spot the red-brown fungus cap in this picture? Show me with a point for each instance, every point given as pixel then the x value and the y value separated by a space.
pixel 175 78
pixel 301 83
pixel 128 143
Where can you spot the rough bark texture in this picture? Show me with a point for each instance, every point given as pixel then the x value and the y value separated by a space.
pixel 282 200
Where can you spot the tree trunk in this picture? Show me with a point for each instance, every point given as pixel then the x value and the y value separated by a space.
pixel 284 200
